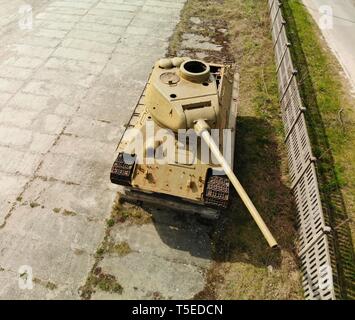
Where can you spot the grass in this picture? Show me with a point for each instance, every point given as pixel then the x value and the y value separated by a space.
pixel 330 119
pixel 121 248
pixel 97 278
pixel 47 284
pixel 34 204
pixel 244 267
pixel 103 281
pixel 110 247
pixel 125 212
pixel 65 212
pixel 69 213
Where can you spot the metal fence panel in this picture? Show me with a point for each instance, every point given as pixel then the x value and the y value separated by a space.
pixel 315 246
pixel 311 224
pixel 317 277
pixel 291 106
pixel 298 150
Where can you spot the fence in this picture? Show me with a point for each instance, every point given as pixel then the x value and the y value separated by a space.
pixel 315 248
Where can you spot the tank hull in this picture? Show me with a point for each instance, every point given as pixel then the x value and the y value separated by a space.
pixel 190 187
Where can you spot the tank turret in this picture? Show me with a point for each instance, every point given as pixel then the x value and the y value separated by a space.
pixel 178 95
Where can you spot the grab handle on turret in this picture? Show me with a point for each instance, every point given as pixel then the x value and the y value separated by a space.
pixel 202 129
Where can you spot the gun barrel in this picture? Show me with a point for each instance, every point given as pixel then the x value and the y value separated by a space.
pixel 201 128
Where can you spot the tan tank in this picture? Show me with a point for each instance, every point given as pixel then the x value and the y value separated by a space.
pixel 183 94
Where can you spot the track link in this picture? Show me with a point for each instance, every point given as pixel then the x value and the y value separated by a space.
pixel 121 172
pixel 217 191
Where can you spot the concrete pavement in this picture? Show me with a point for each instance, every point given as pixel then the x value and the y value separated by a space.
pixel 67 88
pixel 341 37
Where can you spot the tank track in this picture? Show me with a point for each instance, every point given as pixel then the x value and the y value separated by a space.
pixel 121 172
pixel 217 191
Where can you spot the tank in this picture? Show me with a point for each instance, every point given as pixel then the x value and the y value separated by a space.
pixel 194 104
